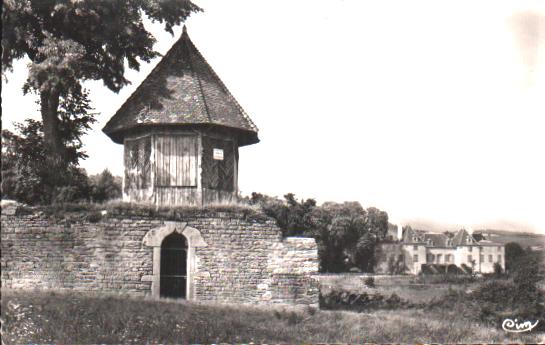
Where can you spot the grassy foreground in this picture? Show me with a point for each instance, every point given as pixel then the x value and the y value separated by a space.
pixel 67 318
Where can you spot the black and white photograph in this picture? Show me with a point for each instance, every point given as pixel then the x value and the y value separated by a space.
pixel 265 172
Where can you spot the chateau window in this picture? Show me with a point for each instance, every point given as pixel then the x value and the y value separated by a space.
pixel 415 239
pixel 482 258
pixel 499 258
pixel 439 258
pixel 490 259
pixel 469 258
pixel 447 258
pixel 499 249
pixel 401 257
pixel 470 249
pixel 415 247
pixel 415 257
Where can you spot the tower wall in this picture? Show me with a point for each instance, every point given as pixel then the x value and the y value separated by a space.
pixel 180 167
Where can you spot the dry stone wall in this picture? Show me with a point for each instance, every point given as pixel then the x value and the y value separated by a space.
pixel 245 259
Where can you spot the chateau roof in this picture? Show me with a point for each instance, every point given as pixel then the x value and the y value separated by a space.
pixel 463 237
pixel 182 90
pixel 411 236
pixel 438 240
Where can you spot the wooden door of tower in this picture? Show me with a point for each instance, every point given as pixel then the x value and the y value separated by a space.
pixel 173 280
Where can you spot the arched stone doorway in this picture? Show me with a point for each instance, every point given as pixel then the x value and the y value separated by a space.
pixel 156 238
pixel 173 279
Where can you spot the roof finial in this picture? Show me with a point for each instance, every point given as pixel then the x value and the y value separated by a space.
pixel 184 30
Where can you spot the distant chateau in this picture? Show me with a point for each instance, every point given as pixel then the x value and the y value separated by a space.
pixel 414 251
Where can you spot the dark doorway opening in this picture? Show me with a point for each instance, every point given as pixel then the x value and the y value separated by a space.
pixel 173 266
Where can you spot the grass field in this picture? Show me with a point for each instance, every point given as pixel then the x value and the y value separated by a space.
pixel 45 317
pixel 406 287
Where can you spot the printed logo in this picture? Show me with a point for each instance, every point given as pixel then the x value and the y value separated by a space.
pixel 509 325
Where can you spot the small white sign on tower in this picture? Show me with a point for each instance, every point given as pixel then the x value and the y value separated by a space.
pixel 218 154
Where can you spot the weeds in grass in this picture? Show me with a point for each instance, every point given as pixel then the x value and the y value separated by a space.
pixel 40 317
pixel 444 279
pixel 345 300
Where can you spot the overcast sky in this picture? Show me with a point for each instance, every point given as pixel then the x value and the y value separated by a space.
pixel 429 110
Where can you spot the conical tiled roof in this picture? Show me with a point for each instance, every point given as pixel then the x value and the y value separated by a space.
pixel 182 90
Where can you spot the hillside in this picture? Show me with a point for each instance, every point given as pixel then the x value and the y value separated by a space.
pixel 525 239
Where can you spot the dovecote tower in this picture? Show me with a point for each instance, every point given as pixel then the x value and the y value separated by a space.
pixel 181 130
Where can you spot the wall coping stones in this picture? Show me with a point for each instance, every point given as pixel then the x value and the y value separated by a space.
pixel 95 212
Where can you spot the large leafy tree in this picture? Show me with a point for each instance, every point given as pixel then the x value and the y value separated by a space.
pixel 70 41
pixel 347 235
pixel 514 255
pixel 26 176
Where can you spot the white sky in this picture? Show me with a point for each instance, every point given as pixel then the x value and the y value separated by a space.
pixel 429 110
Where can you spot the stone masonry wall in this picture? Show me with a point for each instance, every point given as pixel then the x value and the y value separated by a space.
pixel 292 264
pixel 245 259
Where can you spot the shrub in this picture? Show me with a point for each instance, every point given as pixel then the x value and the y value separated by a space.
pixel 498 270
pixel 293 318
pixel 105 186
pixel 311 310
pixel 359 302
pixel 393 301
pixel 497 293
pixel 370 282
pixel 494 300
pixel 28 176
pixel 527 276
pixel 346 234
pixel 513 252
pixel 292 216
pixel 94 217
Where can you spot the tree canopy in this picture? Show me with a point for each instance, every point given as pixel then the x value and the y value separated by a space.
pixel 26 176
pixel 70 41
pixel 346 234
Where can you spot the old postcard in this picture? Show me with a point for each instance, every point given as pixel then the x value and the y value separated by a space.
pixel 310 171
